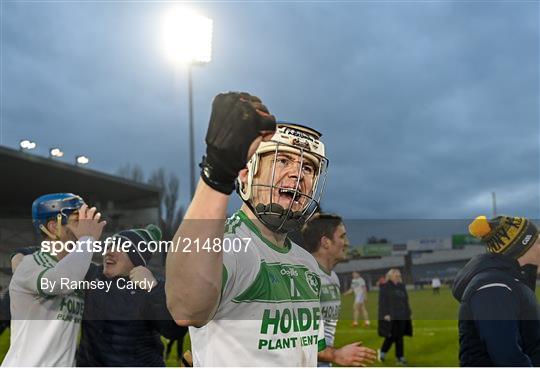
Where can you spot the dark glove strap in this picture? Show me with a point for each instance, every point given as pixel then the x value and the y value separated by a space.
pixel 216 178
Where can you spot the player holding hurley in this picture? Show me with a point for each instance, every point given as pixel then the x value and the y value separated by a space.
pixel 259 306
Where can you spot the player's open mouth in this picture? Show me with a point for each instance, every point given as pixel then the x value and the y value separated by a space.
pixel 287 195
pixel 110 262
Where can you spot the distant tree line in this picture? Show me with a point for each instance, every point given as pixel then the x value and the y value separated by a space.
pixel 170 210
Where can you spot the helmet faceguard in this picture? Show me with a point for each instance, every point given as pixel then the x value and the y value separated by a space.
pixel 290 142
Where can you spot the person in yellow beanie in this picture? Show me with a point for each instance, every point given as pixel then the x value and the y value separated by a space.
pixel 499 317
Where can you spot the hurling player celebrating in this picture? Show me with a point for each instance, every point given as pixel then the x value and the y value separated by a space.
pixel 257 304
pixel 46 321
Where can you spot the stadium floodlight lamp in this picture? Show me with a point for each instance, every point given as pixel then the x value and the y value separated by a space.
pixel 55 152
pixel 82 160
pixel 187 39
pixel 187 36
pixel 27 145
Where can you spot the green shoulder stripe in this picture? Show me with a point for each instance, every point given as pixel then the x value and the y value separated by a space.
pixel 41 261
pixel 249 223
pixel 50 258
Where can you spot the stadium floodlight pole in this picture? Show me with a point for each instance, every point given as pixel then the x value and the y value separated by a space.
pixel 494 203
pixel 187 40
pixel 191 134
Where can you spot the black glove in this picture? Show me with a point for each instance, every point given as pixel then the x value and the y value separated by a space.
pixel 237 120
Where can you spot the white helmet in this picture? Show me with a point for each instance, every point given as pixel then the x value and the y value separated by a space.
pixel 304 142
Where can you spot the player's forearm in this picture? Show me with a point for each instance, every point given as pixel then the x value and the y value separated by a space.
pixel 327 355
pixel 72 268
pixel 17 256
pixel 193 283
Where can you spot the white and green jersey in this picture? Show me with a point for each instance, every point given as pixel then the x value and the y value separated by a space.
pixel 358 285
pixel 45 319
pixel 269 313
pixel 330 304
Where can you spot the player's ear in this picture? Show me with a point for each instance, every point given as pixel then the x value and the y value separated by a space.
pixel 242 176
pixel 325 242
pixel 51 226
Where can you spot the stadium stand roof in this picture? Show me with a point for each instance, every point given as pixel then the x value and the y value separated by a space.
pixel 437 256
pixel 26 176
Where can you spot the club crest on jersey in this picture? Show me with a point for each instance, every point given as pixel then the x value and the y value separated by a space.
pixel 313 282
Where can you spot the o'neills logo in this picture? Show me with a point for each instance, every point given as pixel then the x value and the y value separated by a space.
pixel 300 134
pixel 291 272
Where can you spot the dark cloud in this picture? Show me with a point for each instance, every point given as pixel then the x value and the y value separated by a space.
pixel 426 108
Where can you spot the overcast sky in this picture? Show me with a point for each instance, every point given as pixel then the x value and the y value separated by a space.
pixel 425 107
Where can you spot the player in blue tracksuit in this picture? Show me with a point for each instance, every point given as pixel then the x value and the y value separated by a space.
pixel 499 317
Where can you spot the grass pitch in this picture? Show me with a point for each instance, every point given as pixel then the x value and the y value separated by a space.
pixel 434 342
pixel 435 332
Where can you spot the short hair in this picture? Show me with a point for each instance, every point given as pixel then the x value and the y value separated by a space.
pixel 321 224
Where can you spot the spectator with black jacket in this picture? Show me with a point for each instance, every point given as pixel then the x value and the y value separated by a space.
pixel 122 327
pixel 394 315
pixel 499 317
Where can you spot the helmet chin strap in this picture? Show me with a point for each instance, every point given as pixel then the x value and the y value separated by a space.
pixel 58 228
pixel 274 217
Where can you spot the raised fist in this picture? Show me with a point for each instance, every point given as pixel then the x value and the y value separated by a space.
pixel 238 119
pixel 141 274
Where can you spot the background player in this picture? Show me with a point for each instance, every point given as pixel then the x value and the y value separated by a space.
pixel 260 305
pixel 325 237
pixel 45 321
pixel 436 285
pixel 358 287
